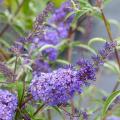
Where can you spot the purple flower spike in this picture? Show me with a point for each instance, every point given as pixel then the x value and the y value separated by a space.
pixel 104 53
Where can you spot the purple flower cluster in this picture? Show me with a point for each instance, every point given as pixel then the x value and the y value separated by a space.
pixel 55 88
pixel 59 86
pixel 85 115
pixel 104 53
pixel 8 105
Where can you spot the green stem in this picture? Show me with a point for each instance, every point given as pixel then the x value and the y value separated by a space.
pixel 27 100
pixel 24 85
pixel 38 110
pixel 15 68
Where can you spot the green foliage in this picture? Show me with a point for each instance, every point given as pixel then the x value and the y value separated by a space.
pixel 20 88
pixel 57 2
pixel 96 40
pixel 109 101
pixel 84 46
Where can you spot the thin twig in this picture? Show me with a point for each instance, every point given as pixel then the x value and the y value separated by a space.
pixel 38 110
pixel 27 100
pixel 70 114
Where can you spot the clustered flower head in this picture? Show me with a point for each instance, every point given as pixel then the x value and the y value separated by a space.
pixel 8 105
pixel 54 88
pixel 59 86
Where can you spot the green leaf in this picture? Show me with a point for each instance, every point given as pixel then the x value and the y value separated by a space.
pixel 30 109
pixel 112 66
pixel 20 90
pixel 109 101
pixel 26 8
pixel 114 22
pixel 3 17
pixel 57 2
pixel 46 47
pixel 62 61
pixel 5 43
pixel 59 111
pixel 94 40
pixel 107 1
pixel 18 29
pixel 39 50
pixel 81 45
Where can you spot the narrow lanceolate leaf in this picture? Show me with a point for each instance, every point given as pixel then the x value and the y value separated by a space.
pixel 109 101
pixel 62 61
pixel 43 48
pixel 19 90
pixel 111 65
pixel 94 40
pixel 5 43
pixel 107 1
pixel 59 111
pixel 81 45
